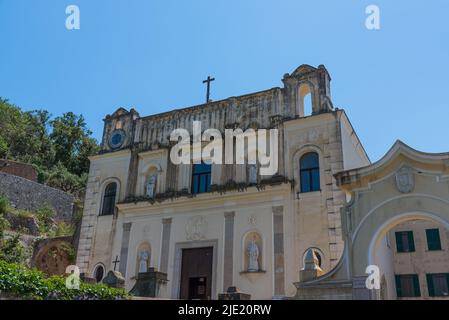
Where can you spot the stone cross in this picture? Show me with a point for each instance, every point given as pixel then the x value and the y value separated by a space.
pixel 208 81
pixel 115 262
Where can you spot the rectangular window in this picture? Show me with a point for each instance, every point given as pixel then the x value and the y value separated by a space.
pixel 407 285
pixel 433 239
pixel 405 241
pixel 201 178
pixel 438 284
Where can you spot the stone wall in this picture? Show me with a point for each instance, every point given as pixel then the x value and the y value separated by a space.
pixel 29 195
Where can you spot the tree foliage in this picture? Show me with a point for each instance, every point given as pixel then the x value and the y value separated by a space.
pixel 58 147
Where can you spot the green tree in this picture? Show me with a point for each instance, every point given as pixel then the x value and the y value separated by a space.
pixel 72 142
pixel 60 178
pixel 59 149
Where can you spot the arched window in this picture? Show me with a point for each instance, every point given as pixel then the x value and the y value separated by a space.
pixel 305 100
pixel 109 199
pixel 309 168
pixel 99 273
pixel 201 178
pixel 318 255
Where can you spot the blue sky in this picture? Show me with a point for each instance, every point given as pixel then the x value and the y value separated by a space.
pixel 154 54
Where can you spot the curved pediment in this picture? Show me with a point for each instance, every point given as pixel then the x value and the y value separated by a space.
pixel 400 154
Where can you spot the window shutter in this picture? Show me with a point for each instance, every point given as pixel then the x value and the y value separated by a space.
pixel 430 285
pixel 433 239
pixel 416 285
pixel 411 242
pixel 447 280
pixel 398 285
pixel 399 244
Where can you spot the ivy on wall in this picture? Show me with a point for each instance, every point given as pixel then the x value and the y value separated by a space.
pixel 23 283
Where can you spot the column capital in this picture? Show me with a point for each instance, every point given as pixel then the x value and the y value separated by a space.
pixel 278 209
pixel 127 226
pixel 229 214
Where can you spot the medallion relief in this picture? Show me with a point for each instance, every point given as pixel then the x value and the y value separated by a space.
pixel 405 179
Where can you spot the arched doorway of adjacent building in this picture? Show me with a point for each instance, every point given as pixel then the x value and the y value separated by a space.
pixel 412 253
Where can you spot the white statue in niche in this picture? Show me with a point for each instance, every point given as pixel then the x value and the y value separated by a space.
pixel 150 188
pixel 144 257
pixel 252 173
pixel 253 254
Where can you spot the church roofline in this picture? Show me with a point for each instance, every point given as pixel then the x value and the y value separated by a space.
pixel 205 105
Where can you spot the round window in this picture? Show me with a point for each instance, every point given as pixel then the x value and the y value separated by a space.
pixel 116 139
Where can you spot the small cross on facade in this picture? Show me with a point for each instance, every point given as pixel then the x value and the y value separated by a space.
pixel 208 81
pixel 115 262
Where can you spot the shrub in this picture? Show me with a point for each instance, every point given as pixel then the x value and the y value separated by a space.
pixel 4 224
pixel 4 204
pixel 12 250
pixel 23 213
pixel 61 229
pixel 45 215
pixel 32 284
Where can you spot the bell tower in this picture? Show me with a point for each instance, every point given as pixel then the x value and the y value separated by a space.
pixel 118 130
pixel 308 80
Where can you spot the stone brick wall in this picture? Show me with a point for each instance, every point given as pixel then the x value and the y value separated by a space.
pixel 18 169
pixel 29 195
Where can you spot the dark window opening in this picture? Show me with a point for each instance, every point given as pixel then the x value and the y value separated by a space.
pixel 201 178
pixel 438 284
pixel 99 273
pixel 433 239
pixel 405 241
pixel 309 172
pixel 109 199
pixel 407 286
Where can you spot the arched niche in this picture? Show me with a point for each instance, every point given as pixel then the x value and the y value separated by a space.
pixel 250 239
pixel 151 180
pixel 143 257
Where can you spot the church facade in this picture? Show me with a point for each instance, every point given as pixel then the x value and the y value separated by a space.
pixel 209 227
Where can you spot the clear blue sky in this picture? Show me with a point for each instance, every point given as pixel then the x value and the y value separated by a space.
pixel 153 55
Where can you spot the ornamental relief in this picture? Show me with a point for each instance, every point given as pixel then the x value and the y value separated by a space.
pixel 405 179
pixel 196 228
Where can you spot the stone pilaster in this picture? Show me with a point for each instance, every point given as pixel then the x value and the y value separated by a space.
pixel 172 174
pixel 228 263
pixel 165 247
pixel 132 174
pixel 278 248
pixel 124 248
